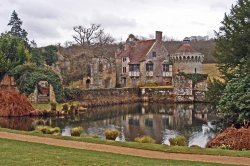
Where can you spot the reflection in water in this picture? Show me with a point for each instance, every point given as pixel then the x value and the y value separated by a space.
pixel 160 121
pixel 202 137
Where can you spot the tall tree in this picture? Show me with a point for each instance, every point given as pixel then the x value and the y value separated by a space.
pixel 16 28
pixel 12 53
pixel 233 39
pixel 233 53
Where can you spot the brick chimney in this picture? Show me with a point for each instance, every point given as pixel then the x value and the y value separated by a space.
pixel 158 36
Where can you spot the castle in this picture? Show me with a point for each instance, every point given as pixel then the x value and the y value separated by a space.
pixel 147 62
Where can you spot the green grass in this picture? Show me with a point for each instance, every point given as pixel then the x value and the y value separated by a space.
pixel 25 153
pixel 212 70
pixel 155 147
pixel 47 106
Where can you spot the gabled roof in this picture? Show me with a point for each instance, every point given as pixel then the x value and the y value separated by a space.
pixel 138 51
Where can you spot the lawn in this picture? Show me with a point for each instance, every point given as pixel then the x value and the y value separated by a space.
pixel 24 153
pixel 212 70
pixel 155 147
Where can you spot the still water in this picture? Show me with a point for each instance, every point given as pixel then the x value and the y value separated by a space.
pixel 159 121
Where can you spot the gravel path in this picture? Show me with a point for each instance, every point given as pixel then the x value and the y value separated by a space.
pixel 127 151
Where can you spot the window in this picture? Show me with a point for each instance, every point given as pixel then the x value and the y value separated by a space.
pixel 100 67
pixel 165 67
pixel 134 67
pixel 89 71
pixel 124 59
pixel 124 70
pixel 154 54
pixel 149 66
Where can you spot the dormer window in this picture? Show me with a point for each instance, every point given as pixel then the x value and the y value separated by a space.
pixel 149 66
pixel 124 59
pixel 153 54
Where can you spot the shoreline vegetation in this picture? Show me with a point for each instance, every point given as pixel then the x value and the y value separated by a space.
pixel 155 147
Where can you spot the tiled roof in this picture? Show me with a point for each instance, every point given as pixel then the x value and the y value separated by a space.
pixel 138 51
pixel 185 48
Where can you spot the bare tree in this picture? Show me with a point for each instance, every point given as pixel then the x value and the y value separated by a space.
pixel 86 36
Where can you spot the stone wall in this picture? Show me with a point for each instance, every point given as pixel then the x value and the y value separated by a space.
pixel 157 94
pixel 102 74
pixel 183 89
pixel 103 97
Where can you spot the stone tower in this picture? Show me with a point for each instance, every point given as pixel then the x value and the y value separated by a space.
pixel 187 60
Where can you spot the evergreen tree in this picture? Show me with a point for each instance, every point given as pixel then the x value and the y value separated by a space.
pixel 16 28
pixel 233 39
pixel 232 51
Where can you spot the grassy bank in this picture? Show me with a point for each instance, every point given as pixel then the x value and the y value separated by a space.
pixel 155 147
pixel 47 106
pixel 24 153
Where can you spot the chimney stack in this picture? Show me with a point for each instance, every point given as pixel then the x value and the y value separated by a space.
pixel 158 36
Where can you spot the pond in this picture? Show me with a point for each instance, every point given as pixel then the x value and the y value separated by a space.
pixel 159 121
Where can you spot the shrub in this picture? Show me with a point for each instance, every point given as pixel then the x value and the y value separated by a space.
pixel 53 106
pixel 76 131
pixel 55 130
pixel 179 141
pixel 111 134
pixel 43 129
pixel 145 139
pixel 65 107
pixel 48 130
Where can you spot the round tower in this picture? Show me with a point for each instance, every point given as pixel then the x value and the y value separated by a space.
pixel 186 59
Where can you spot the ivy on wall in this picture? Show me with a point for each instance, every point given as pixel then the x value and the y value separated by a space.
pixel 195 77
pixel 27 77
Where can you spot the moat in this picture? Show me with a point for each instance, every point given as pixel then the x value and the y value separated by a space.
pixel 160 121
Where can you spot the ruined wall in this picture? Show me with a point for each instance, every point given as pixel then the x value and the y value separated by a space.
pixel 183 89
pixel 157 94
pixel 8 83
pixel 102 75
pixel 200 91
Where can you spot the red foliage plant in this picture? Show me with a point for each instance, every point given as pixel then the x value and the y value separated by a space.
pixel 236 139
pixel 12 103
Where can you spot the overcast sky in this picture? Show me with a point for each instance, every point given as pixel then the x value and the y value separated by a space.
pixel 52 21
